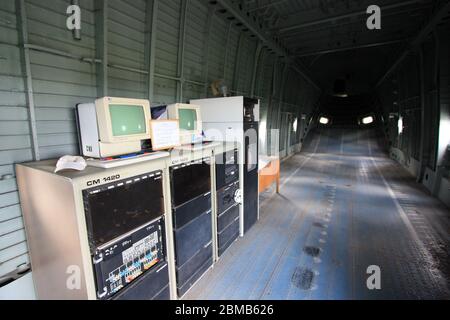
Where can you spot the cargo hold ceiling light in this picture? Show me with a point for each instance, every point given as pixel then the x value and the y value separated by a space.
pixel 444 133
pixel 400 125
pixel 367 120
pixel 294 125
pixel 324 120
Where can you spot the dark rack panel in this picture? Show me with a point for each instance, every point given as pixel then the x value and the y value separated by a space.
pixel 191 211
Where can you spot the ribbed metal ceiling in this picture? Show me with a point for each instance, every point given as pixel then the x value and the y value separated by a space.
pixel 330 37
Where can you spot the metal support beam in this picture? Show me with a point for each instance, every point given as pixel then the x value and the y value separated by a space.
pixel 101 44
pixel 270 107
pixel 181 45
pixel 116 66
pixel 234 9
pixel 163 76
pixel 226 51
pixel 422 116
pixel 342 16
pixel 29 79
pixel 298 67
pixel 61 53
pixel 441 73
pixel 361 46
pixel 292 36
pixel 206 46
pixel 279 97
pixel 282 91
pixel 152 19
pixel 268 5
pixel 271 98
pixel 439 14
pixel 255 67
pixel 261 63
pixel 237 62
pixel 120 67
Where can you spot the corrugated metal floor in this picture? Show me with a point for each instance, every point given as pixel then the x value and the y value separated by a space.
pixel 343 206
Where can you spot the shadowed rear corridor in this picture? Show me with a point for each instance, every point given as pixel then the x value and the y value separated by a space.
pixel 343 206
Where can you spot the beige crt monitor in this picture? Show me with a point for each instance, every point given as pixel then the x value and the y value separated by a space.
pixel 111 110
pixel 113 126
pixel 190 121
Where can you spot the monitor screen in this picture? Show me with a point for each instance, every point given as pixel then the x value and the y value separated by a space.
pixel 188 119
pixel 127 119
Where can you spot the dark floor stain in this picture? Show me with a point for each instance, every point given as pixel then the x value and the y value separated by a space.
pixel 312 251
pixel 318 225
pixel 302 278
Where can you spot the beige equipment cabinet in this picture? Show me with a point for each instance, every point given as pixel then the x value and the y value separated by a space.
pixel 56 224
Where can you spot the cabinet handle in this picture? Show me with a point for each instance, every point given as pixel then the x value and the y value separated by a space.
pixel 100 259
pixel 104 293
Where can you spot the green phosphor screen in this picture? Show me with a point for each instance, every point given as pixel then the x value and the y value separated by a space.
pixel 188 119
pixel 127 119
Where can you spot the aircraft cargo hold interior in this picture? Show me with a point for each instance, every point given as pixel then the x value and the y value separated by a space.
pixel 224 150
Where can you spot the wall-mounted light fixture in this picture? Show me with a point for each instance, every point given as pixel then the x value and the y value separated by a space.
pixel 367 120
pixel 324 120
pixel 444 133
pixel 400 125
